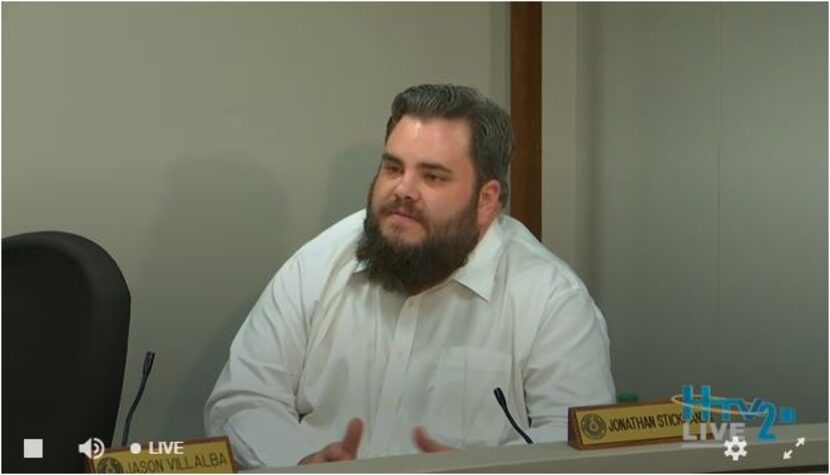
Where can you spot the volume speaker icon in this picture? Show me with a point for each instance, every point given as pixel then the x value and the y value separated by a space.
pixel 93 448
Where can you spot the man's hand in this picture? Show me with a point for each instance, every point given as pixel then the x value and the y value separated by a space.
pixel 426 443
pixel 345 449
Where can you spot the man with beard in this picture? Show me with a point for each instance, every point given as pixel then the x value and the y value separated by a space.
pixel 389 332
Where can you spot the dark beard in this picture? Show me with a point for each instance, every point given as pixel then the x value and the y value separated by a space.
pixel 412 269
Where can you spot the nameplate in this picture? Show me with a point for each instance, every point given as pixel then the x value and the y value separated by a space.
pixel 211 455
pixel 614 425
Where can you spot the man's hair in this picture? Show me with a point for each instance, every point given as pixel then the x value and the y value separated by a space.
pixel 492 130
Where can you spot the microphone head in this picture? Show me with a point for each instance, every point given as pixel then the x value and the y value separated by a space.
pixel 500 396
pixel 148 361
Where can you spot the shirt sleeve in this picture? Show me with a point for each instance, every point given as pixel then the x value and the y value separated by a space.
pixel 253 402
pixel 568 365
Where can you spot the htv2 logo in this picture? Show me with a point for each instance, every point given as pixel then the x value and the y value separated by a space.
pixel 708 404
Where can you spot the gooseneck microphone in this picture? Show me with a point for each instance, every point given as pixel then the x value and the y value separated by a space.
pixel 148 366
pixel 503 403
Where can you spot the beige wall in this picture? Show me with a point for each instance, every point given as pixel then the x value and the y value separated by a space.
pixel 685 166
pixel 201 144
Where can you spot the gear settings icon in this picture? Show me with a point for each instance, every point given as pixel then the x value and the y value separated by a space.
pixel 735 448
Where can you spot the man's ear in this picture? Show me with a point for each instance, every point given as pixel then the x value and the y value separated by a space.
pixel 488 202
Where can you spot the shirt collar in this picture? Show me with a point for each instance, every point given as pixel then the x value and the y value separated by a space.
pixel 359 266
pixel 479 273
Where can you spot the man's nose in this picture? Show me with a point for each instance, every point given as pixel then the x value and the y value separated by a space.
pixel 407 187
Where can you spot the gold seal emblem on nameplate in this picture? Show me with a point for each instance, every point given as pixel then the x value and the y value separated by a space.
pixel 108 465
pixel 593 426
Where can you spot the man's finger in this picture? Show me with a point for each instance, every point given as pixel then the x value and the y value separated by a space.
pixel 351 441
pixel 335 453
pixel 316 457
pixel 346 449
pixel 426 443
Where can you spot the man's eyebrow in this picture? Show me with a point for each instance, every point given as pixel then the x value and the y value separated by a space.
pixel 434 166
pixel 388 157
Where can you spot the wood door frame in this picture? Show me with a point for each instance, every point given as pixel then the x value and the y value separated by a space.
pixel 526 111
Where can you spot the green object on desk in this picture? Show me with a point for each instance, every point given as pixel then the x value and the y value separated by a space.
pixel 627 397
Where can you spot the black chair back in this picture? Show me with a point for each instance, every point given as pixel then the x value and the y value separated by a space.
pixel 66 315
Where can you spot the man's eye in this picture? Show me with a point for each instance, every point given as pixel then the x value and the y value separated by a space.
pixel 434 178
pixel 390 168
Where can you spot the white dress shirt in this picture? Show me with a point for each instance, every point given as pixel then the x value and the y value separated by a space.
pixel 324 344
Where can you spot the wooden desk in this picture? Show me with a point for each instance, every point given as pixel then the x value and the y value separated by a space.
pixel 559 457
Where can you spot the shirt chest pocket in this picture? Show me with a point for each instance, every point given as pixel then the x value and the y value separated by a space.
pixel 461 410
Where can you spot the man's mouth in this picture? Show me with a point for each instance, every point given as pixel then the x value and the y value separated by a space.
pixel 401 210
pixel 404 214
